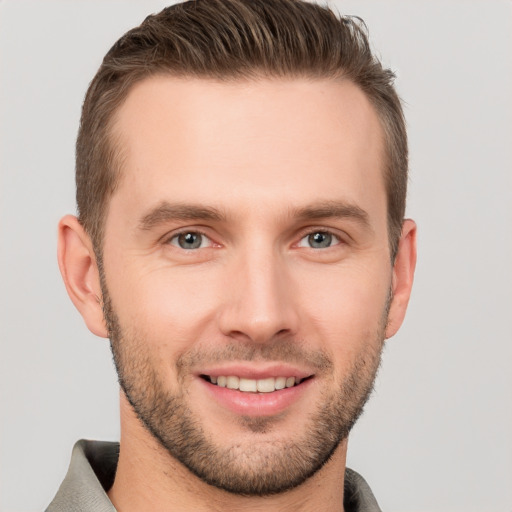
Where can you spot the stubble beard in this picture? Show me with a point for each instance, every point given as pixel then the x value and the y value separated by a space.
pixel 265 466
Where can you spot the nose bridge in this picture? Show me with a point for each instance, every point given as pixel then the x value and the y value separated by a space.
pixel 259 303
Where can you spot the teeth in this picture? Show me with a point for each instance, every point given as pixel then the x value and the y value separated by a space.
pixel 280 383
pixel 266 385
pixel 290 381
pixel 233 382
pixel 248 385
pixel 254 385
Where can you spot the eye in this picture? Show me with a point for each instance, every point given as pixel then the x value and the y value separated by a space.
pixel 319 240
pixel 190 240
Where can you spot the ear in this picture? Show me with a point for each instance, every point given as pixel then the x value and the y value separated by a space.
pixel 77 263
pixel 403 276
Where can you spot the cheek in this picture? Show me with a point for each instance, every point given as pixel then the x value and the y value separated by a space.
pixel 168 308
pixel 346 306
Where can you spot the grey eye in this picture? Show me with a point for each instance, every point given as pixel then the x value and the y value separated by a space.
pixel 190 240
pixel 319 240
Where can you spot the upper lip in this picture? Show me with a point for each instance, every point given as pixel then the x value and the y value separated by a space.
pixel 255 371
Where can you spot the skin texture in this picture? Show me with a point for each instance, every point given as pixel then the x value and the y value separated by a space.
pixel 254 167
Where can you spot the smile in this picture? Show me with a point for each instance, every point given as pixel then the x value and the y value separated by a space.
pixel 267 385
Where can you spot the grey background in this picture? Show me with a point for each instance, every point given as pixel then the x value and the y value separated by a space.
pixel 436 435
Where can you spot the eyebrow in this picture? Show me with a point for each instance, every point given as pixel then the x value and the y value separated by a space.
pixel 166 212
pixel 333 209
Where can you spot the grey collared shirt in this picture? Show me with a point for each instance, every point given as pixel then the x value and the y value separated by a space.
pixel 93 467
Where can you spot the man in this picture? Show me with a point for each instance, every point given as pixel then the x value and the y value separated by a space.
pixel 241 180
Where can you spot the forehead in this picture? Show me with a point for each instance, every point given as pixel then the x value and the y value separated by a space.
pixel 286 140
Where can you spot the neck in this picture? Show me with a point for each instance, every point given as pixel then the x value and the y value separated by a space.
pixel 149 478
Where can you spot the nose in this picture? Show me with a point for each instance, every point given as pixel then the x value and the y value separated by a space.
pixel 258 303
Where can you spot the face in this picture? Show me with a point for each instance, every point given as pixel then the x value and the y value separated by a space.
pixel 247 274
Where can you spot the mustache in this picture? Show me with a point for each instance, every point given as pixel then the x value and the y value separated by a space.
pixel 285 351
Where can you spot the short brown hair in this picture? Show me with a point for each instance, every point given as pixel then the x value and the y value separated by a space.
pixel 230 39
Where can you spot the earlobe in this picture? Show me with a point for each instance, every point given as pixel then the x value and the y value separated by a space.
pixel 403 276
pixel 77 263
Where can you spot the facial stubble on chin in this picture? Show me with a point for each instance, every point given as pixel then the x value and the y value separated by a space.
pixel 265 466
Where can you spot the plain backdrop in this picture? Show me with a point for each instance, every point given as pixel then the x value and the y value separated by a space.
pixel 437 434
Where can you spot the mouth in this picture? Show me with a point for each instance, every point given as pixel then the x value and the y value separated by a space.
pixel 246 385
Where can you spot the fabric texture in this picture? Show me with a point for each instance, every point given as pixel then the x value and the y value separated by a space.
pixel 93 467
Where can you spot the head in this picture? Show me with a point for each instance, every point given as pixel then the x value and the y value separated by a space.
pixel 241 175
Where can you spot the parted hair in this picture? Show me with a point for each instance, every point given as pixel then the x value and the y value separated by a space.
pixel 229 40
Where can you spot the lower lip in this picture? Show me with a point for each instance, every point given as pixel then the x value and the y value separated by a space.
pixel 256 404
